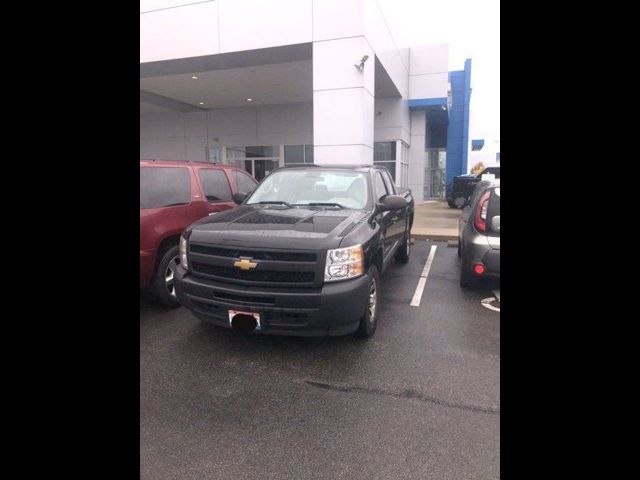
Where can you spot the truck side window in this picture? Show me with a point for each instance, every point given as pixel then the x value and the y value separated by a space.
pixel 388 181
pixel 215 185
pixel 379 187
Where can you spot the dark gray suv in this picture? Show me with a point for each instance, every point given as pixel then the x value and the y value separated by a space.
pixel 479 234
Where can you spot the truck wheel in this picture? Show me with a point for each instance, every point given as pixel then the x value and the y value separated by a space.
pixel 369 320
pixel 404 250
pixel 163 283
pixel 459 202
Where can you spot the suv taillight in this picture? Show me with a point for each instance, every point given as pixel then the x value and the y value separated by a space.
pixel 480 217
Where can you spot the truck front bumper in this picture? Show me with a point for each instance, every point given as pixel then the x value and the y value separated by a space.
pixel 334 309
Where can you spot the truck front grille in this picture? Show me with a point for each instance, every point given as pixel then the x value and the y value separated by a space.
pixel 274 268
pixel 252 275
pixel 255 254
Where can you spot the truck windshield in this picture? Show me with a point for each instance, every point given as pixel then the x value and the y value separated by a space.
pixel 298 187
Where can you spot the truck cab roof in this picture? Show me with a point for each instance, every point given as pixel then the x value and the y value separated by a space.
pixel 356 167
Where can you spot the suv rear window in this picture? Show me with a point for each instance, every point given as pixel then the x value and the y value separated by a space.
pixel 215 185
pixel 164 187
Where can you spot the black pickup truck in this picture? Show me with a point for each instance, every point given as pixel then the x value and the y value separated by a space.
pixel 301 255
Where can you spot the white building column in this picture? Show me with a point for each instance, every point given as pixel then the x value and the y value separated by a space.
pixel 343 101
pixel 417 154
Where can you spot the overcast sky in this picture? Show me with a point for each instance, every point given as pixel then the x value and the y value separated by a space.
pixel 472 30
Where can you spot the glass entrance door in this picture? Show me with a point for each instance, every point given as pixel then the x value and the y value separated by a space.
pixel 260 168
pixel 258 161
pixel 434 174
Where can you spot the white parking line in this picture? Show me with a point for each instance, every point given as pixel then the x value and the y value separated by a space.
pixel 417 296
pixel 486 302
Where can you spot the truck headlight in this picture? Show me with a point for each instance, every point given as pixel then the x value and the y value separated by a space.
pixel 183 252
pixel 344 263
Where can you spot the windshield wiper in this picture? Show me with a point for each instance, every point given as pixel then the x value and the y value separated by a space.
pixel 275 202
pixel 322 204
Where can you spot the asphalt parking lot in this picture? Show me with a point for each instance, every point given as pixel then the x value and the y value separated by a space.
pixel 421 399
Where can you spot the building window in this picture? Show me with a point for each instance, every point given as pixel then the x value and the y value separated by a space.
pixel 298 154
pixel 262 151
pixel 403 162
pixel 384 151
pixel 384 154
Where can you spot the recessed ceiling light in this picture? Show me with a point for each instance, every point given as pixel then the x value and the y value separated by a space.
pixel 201 103
pixel 249 99
pixel 194 77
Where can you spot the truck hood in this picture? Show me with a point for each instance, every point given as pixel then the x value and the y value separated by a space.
pixel 273 226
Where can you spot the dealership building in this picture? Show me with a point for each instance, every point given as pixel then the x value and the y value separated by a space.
pixel 261 84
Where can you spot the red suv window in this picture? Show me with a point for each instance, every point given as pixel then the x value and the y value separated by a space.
pixel 215 185
pixel 164 187
pixel 244 182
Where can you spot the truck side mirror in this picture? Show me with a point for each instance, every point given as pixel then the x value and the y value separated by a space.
pixel 392 202
pixel 239 197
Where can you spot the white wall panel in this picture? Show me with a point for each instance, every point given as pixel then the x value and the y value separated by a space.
pixel 168 148
pixel 433 85
pixel 250 24
pixel 196 149
pixel 337 19
pixel 342 117
pixel 295 117
pixel 162 125
pixel 225 121
pixel 195 124
pixel 392 58
pixel 187 31
pixel 151 5
pixel 429 59
pixel 335 60
pixel 180 135
pixel 343 155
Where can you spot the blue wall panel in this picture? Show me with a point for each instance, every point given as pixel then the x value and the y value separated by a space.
pixel 458 133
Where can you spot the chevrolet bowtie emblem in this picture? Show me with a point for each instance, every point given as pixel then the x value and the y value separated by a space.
pixel 245 263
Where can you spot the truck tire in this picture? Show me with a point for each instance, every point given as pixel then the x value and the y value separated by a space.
pixel 369 320
pixel 163 287
pixel 404 250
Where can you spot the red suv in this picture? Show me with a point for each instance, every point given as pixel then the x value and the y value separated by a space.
pixel 173 195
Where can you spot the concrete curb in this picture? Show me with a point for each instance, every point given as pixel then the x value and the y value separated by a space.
pixel 435 237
